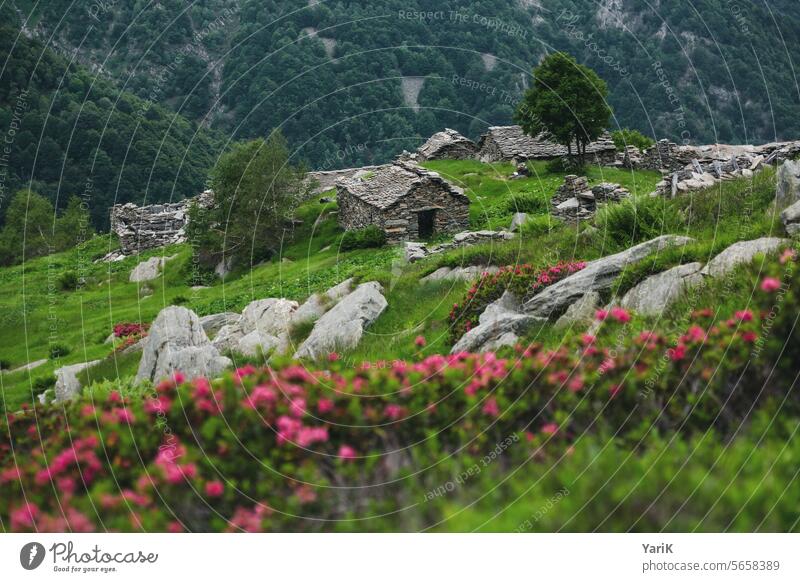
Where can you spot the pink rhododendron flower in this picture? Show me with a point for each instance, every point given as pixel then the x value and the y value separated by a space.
pixel 601 315
pixel 550 428
pixel 179 378
pixel 420 341
pixel 490 407
pixel 394 411
pixel 744 315
pixel 750 336
pixel 787 255
pixel 324 405
pixel 677 353
pixel 214 488
pixel 333 356
pixel 770 284
pixel 347 452
pixel 620 314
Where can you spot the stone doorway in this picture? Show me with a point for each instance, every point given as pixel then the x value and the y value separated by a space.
pixel 426 219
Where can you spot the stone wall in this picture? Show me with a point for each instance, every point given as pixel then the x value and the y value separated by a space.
pixel 140 228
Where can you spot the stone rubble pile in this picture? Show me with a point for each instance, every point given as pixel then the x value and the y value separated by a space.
pixel 575 201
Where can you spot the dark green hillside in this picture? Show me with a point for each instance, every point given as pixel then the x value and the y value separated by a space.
pixel 68 132
pixel 699 70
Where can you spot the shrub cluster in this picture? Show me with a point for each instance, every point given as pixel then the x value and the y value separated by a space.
pixel 521 280
pixel 365 238
pixel 257 448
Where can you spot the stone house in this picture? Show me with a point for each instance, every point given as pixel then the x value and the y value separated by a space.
pixel 405 200
pixel 447 145
pixel 507 143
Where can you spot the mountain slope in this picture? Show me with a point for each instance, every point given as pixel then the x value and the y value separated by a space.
pixel 356 81
pixel 68 132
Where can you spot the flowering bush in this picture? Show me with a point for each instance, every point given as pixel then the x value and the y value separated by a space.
pixel 259 449
pixel 123 330
pixel 130 334
pixel 522 280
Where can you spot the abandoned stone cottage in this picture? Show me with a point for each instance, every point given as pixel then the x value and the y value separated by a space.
pixel 406 201
pixel 509 142
pixel 448 145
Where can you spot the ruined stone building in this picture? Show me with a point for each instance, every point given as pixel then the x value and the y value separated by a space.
pixel 507 143
pixel 140 228
pixel 405 200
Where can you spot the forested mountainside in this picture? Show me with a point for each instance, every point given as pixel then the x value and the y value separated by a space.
pixel 68 132
pixel 355 81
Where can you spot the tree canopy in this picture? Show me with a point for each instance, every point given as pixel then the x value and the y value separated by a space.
pixel 567 100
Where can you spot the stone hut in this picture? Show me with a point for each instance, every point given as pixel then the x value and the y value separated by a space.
pixel 447 145
pixel 506 143
pixel 405 200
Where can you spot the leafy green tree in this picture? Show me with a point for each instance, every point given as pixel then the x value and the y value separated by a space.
pixel 73 226
pixel 255 191
pixel 630 137
pixel 567 100
pixel 27 233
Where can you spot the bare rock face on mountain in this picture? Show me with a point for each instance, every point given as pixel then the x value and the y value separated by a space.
pixel 499 325
pixel 741 253
pixel 176 342
pixel 656 293
pixel 596 276
pixel 788 184
pixel 342 327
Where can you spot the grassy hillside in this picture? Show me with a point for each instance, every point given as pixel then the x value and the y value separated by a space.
pixel 38 314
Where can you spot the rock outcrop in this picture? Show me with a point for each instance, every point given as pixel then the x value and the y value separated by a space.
pixel 148 270
pixel 176 342
pixel 656 293
pixel 791 219
pixel 418 251
pixel 741 253
pixel 342 327
pixel 787 191
pixel 501 324
pixel 458 273
pixel 575 201
pixel 67 384
pixel 598 275
pixel 213 323
pixel 582 312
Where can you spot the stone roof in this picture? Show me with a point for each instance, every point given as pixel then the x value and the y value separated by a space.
pixel 388 184
pixel 431 148
pixel 514 143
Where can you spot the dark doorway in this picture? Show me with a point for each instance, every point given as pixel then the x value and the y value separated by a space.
pixel 425 219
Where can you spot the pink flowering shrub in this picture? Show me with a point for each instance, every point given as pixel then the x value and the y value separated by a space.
pixel 522 280
pixel 261 449
pixel 130 334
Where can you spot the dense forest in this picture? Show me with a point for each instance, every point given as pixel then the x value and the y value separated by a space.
pixel 67 133
pixel 352 82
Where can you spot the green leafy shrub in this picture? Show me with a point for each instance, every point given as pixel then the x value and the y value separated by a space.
pixel 42 384
pixel 58 351
pixel 630 137
pixel 638 218
pixel 180 300
pixel 538 225
pixel 68 281
pixel 532 203
pixel 364 238
pixel 5 364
